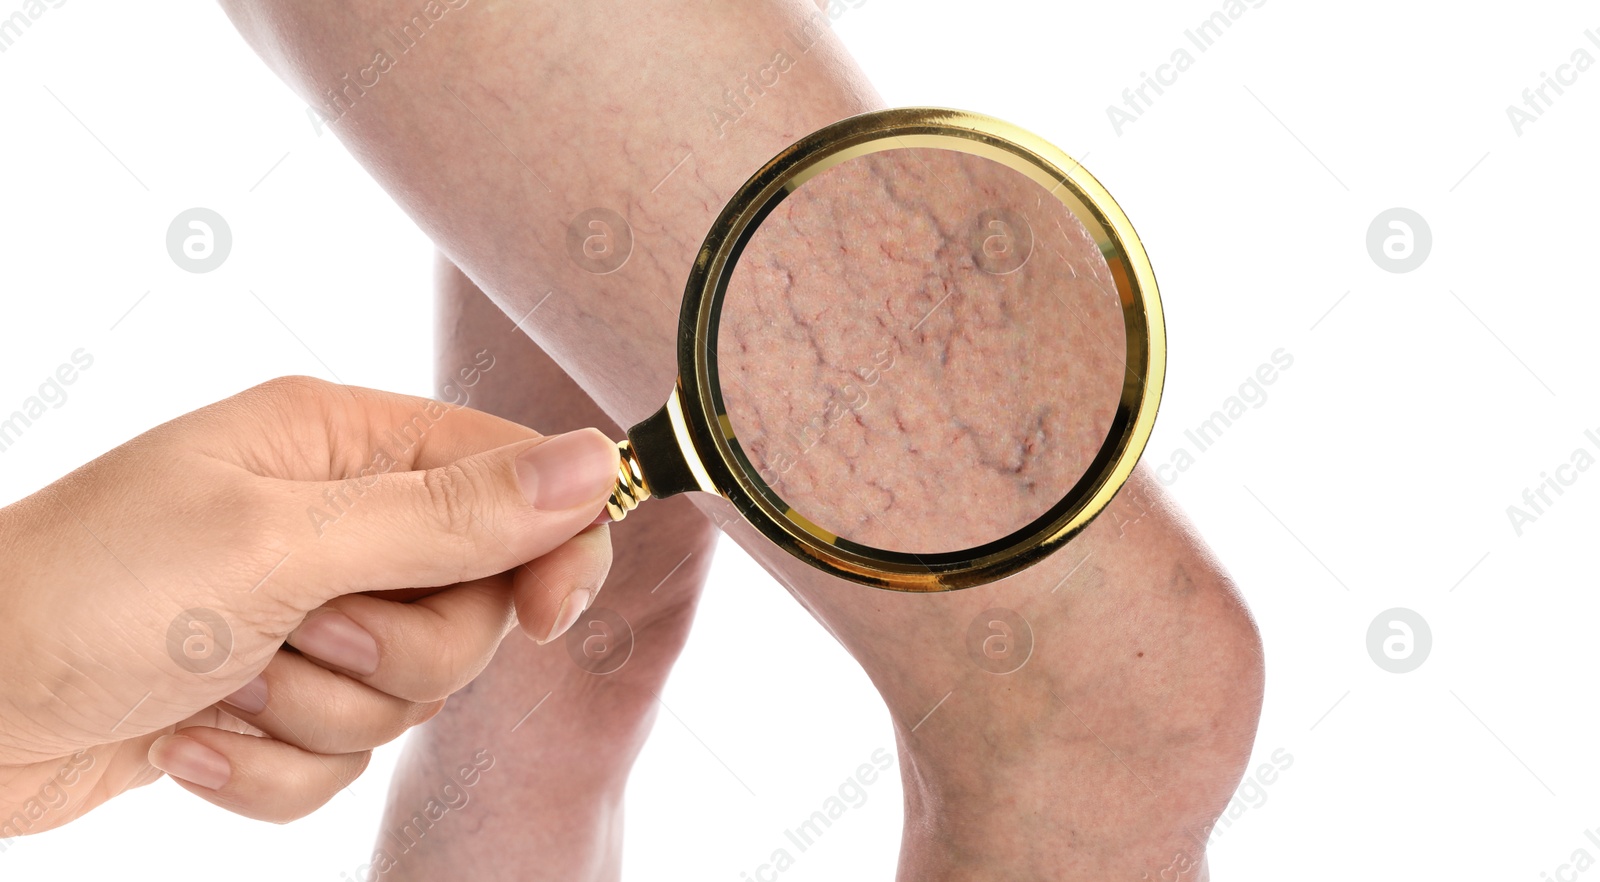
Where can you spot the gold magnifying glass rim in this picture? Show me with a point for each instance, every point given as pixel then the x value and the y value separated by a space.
pixel 710 447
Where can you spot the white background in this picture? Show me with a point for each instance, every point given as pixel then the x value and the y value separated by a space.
pixel 1376 475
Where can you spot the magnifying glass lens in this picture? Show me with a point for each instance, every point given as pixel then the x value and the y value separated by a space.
pixel 919 350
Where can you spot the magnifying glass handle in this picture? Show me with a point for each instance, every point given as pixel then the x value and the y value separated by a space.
pixel 658 460
pixel 631 488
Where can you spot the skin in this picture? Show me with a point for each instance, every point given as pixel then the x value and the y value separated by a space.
pixel 274 708
pixel 1108 754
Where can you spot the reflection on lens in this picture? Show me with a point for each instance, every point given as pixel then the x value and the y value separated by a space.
pixel 920 350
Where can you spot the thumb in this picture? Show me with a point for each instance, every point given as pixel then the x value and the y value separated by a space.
pixel 478 516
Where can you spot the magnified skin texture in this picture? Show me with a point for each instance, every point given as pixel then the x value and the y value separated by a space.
pixel 1107 755
pixel 887 324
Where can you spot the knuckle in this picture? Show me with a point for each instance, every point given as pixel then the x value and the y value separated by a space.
pixel 320 734
pixel 450 495
pixel 446 672
pixel 435 684
pixel 294 388
pixel 316 785
pixel 288 399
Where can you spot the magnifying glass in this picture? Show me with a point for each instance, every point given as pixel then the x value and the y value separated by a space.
pixel 920 349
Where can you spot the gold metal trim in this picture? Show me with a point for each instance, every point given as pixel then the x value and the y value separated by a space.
pixel 631 488
pixel 680 430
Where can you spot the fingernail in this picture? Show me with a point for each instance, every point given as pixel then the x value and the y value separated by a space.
pixel 568 470
pixel 252 697
pixel 335 638
pixel 571 607
pixel 192 761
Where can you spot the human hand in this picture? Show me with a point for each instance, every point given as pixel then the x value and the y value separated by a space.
pixel 198 601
